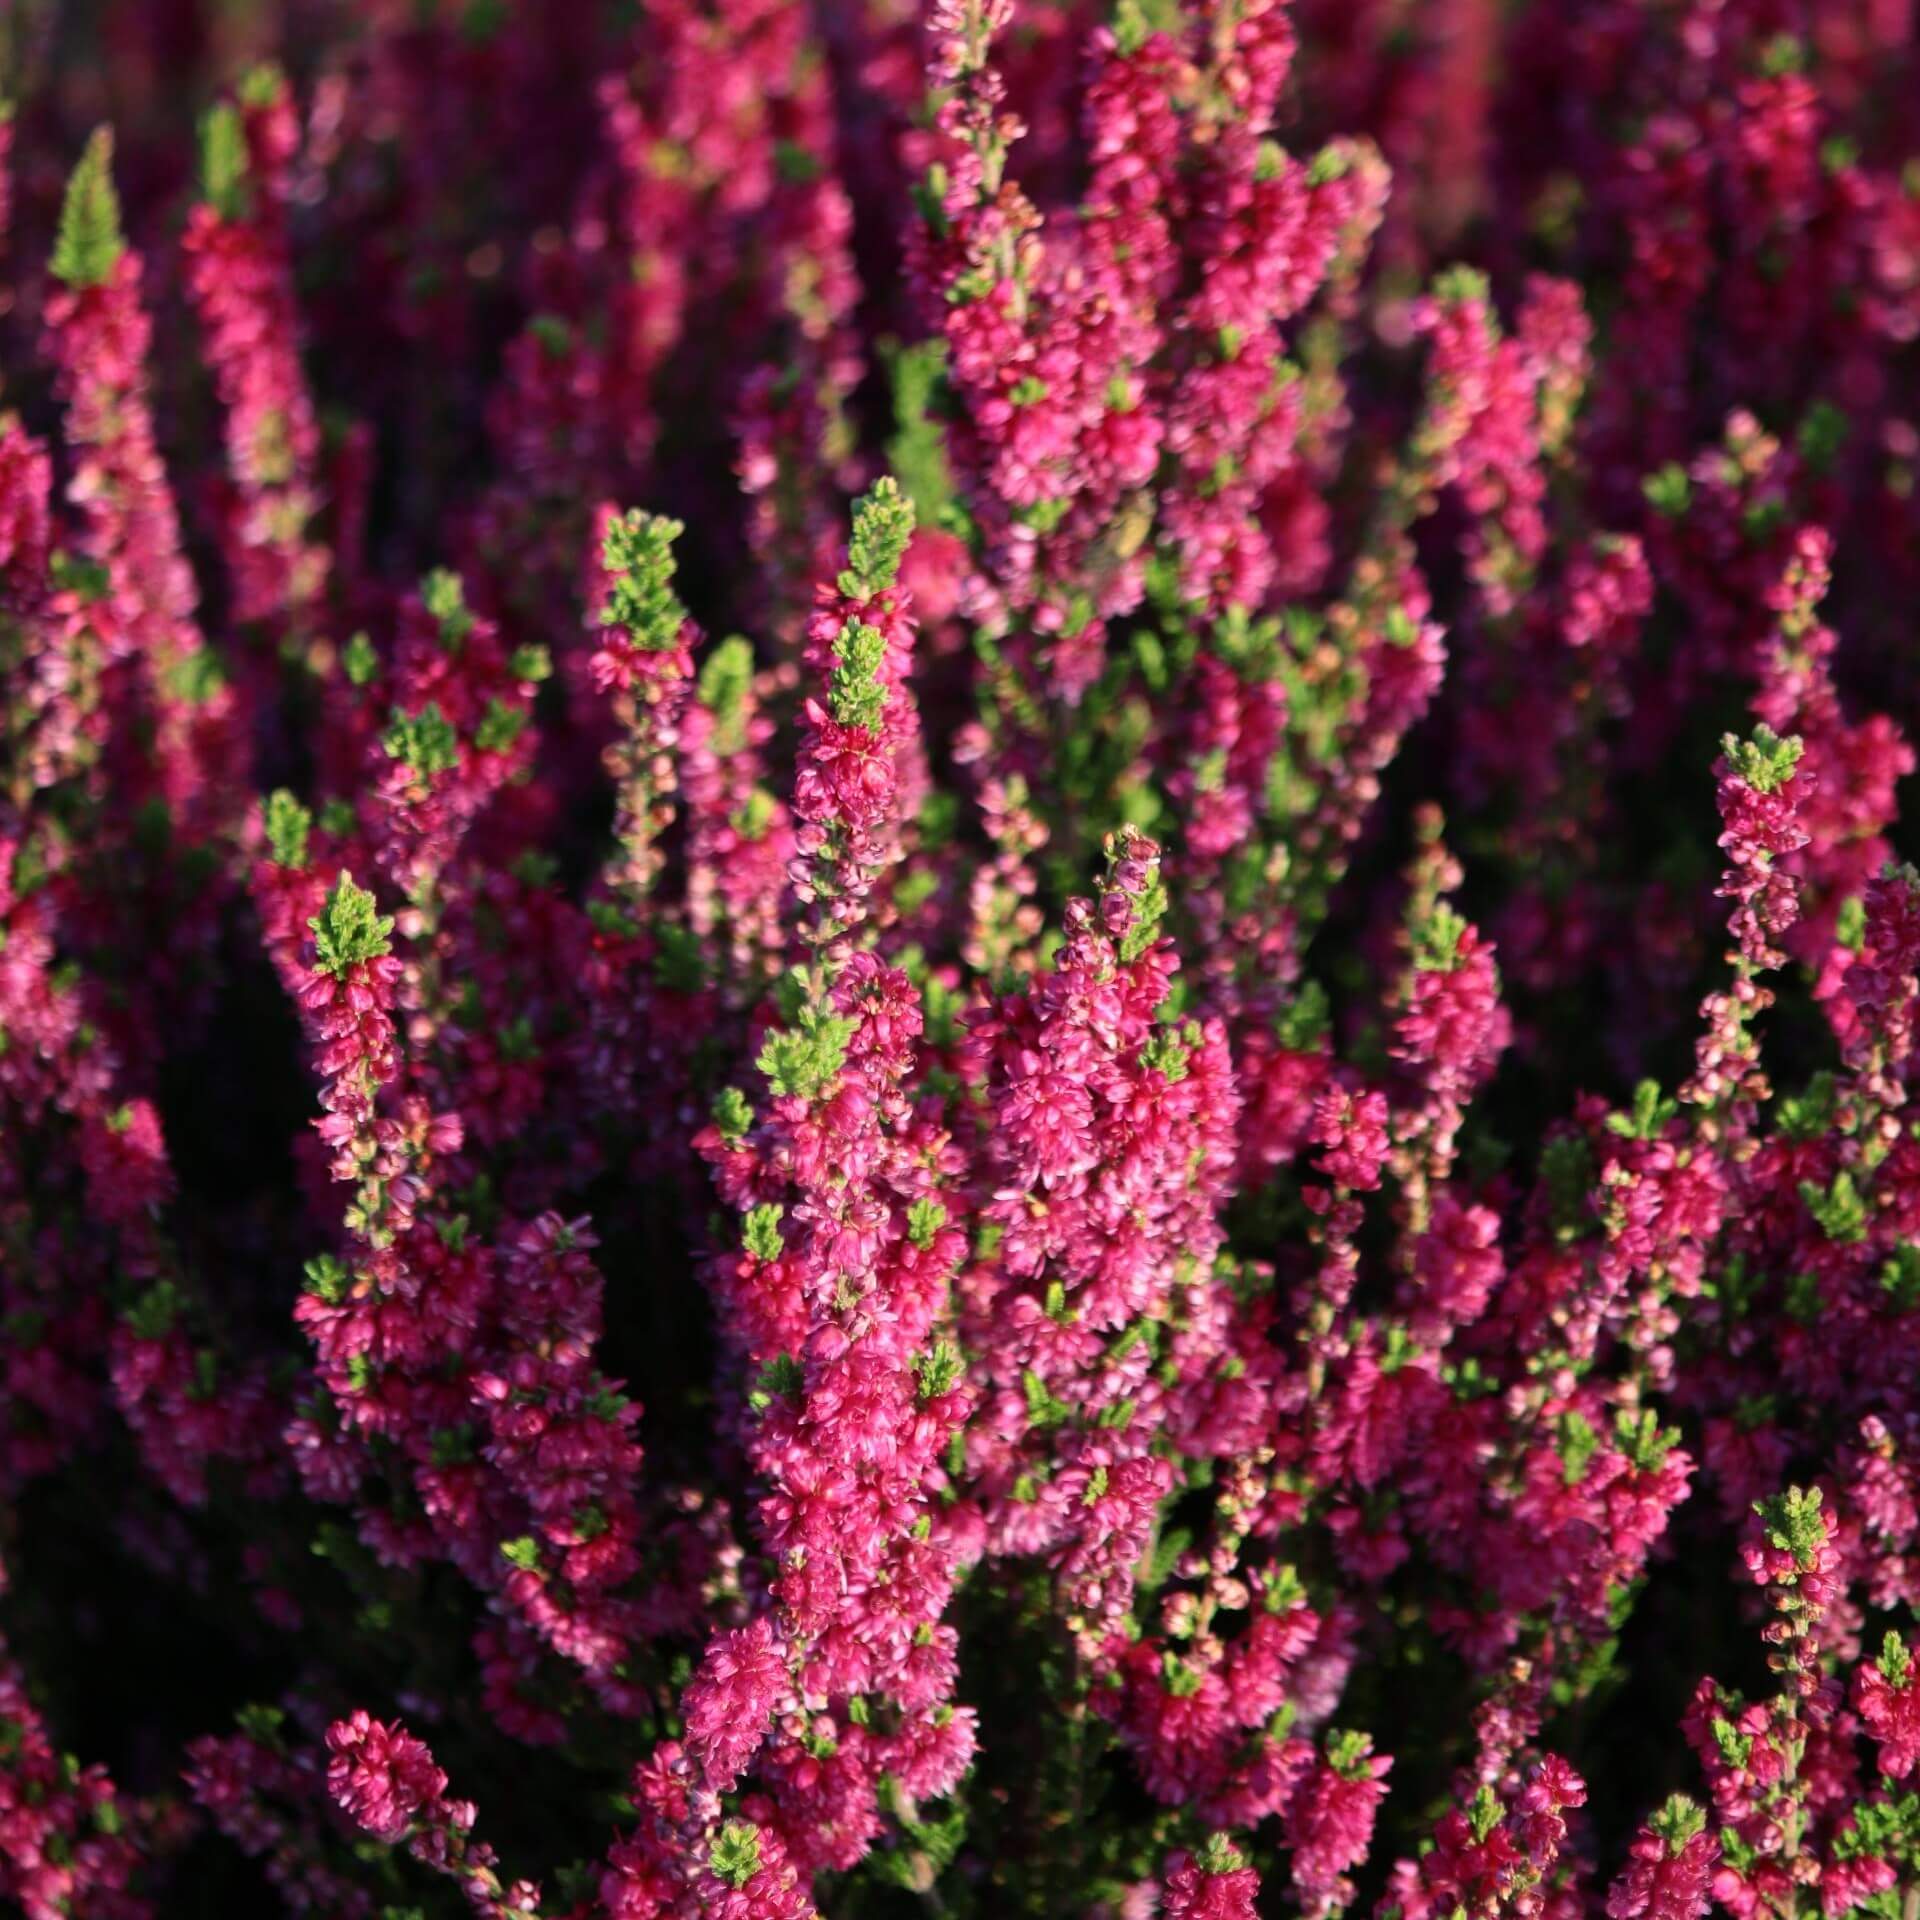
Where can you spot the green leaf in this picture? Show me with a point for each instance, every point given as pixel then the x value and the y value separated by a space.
pixel 89 245
pixel 500 726
pixel 726 679
pixel 1766 762
pixel 1895 1663
pixel 1579 1442
pixel 732 1115
pixel 1436 942
pixel 804 1060
pixel 1219 1855
pixel 1484 1813
pixel 1840 1211
pixel 780 1379
pixel 1794 1523
pixel 736 1853
pixel 638 556
pixel 918 450
pixel 288 823
pixel 328 1280
pixel 348 929
pixel 1649 1116
pixel 424 741
pixel 762 1233
pixel 938 1370
pixel 443 596
pixel 1679 1821
pixel 359 660
pixel 925 1218
pixel 1167 1052
pixel 223 160
pixel 882 526
pixel 855 691
pixel 1669 492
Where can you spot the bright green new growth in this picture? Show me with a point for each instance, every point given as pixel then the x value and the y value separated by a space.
pixel 1794 1523
pixel 287 825
pixel 196 678
pixel 328 1280
pixel 1736 1748
pixel 89 244
pixel 856 692
pixel 349 929
pixel 1643 1439
pixel 1168 1051
pixel 1670 491
pixel 925 1218
pixel 805 1059
pixel 262 85
pixel 443 596
pixel 359 660
pixel 762 1235
pixel 1839 1209
pixel 1436 942
pixel 1679 1821
pixel 780 1379
pixel 638 556
pixel 1579 1442
pixel 1333 162
pixel 732 1115
pixel 1149 904
pixel 1895 1663
pixel 938 1370
pixel 1459 284
pixel 882 526
pixel 425 741
pixel 736 1853
pixel 223 160
pixel 1649 1117
pixel 1766 762
pixel 1484 1813
pixel 1220 1855
pixel 724 683
pixel 917 451
pixel 500 726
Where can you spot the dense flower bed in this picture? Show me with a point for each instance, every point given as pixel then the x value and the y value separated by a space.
pixel 952 958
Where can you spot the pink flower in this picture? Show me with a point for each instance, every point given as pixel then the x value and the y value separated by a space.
pixel 1669 1871
pixel 384 1779
pixel 731 1699
pixel 1216 1885
pixel 1330 1823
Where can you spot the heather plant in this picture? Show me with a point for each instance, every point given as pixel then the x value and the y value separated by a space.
pixel 955 959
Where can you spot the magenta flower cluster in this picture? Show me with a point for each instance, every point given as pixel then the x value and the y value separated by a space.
pixel 954 961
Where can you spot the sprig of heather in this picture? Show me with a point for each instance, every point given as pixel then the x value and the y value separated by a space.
pixel 240 275
pixel 796 455
pixel 739 836
pixel 645 660
pixel 836 1310
pixel 386 1782
pixel 98 337
pixel 69 1841
pixel 1761 790
pixel 1116 1123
